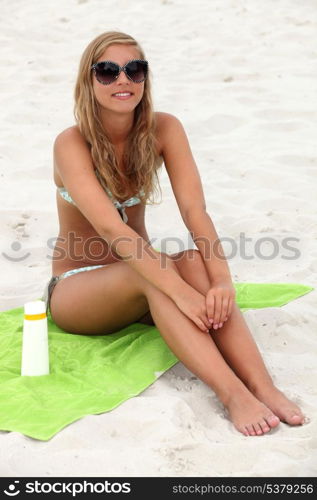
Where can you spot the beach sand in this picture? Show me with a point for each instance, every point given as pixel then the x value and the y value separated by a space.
pixel 241 76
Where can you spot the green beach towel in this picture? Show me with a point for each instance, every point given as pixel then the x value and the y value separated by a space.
pixel 94 374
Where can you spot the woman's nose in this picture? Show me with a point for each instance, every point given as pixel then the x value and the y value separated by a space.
pixel 123 77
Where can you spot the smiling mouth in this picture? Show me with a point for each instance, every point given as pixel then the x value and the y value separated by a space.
pixel 122 94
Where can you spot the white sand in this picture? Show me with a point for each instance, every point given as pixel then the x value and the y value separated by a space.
pixel 250 114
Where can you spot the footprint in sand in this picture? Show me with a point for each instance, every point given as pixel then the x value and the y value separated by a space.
pixel 19 226
pixel 16 252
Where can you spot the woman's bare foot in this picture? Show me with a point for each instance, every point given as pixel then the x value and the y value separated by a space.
pixel 250 416
pixel 286 410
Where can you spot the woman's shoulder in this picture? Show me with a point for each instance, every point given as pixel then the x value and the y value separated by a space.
pixel 166 123
pixel 69 147
pixel 69 135
pixel 163 119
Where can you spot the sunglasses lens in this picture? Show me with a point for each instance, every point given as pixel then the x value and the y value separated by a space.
pixel 137 71
pixel 106 72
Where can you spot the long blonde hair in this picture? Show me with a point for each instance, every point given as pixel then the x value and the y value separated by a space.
pixel 140 158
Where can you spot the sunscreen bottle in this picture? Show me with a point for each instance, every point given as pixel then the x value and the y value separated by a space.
pixel 35 357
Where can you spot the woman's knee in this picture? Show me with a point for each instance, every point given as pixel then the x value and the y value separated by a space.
pixel 192 269
pixel 190 257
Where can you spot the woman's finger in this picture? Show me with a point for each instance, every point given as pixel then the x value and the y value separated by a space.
pixel 202 326
pixel 205 320
pixel 218 308
pixel 230 306
pixel 210 305
pixel 225 307
pixel 198 320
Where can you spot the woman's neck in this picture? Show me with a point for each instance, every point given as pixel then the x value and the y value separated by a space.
pixel 117 126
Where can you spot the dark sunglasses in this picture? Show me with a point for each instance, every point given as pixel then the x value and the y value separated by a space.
pixel 107 72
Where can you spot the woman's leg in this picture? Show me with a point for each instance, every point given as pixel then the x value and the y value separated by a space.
pixel 107 299
pixel 237 346
pixel 198 352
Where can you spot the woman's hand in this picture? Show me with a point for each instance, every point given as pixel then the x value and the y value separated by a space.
pixel 219 302
pixel 193 305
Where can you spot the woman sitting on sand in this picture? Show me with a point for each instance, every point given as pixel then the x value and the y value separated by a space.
pixel 105 170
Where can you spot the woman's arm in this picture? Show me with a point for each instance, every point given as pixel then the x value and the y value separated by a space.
pixel 204 235
pixel 188 191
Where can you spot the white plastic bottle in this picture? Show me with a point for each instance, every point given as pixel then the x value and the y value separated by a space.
pixel 35 356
